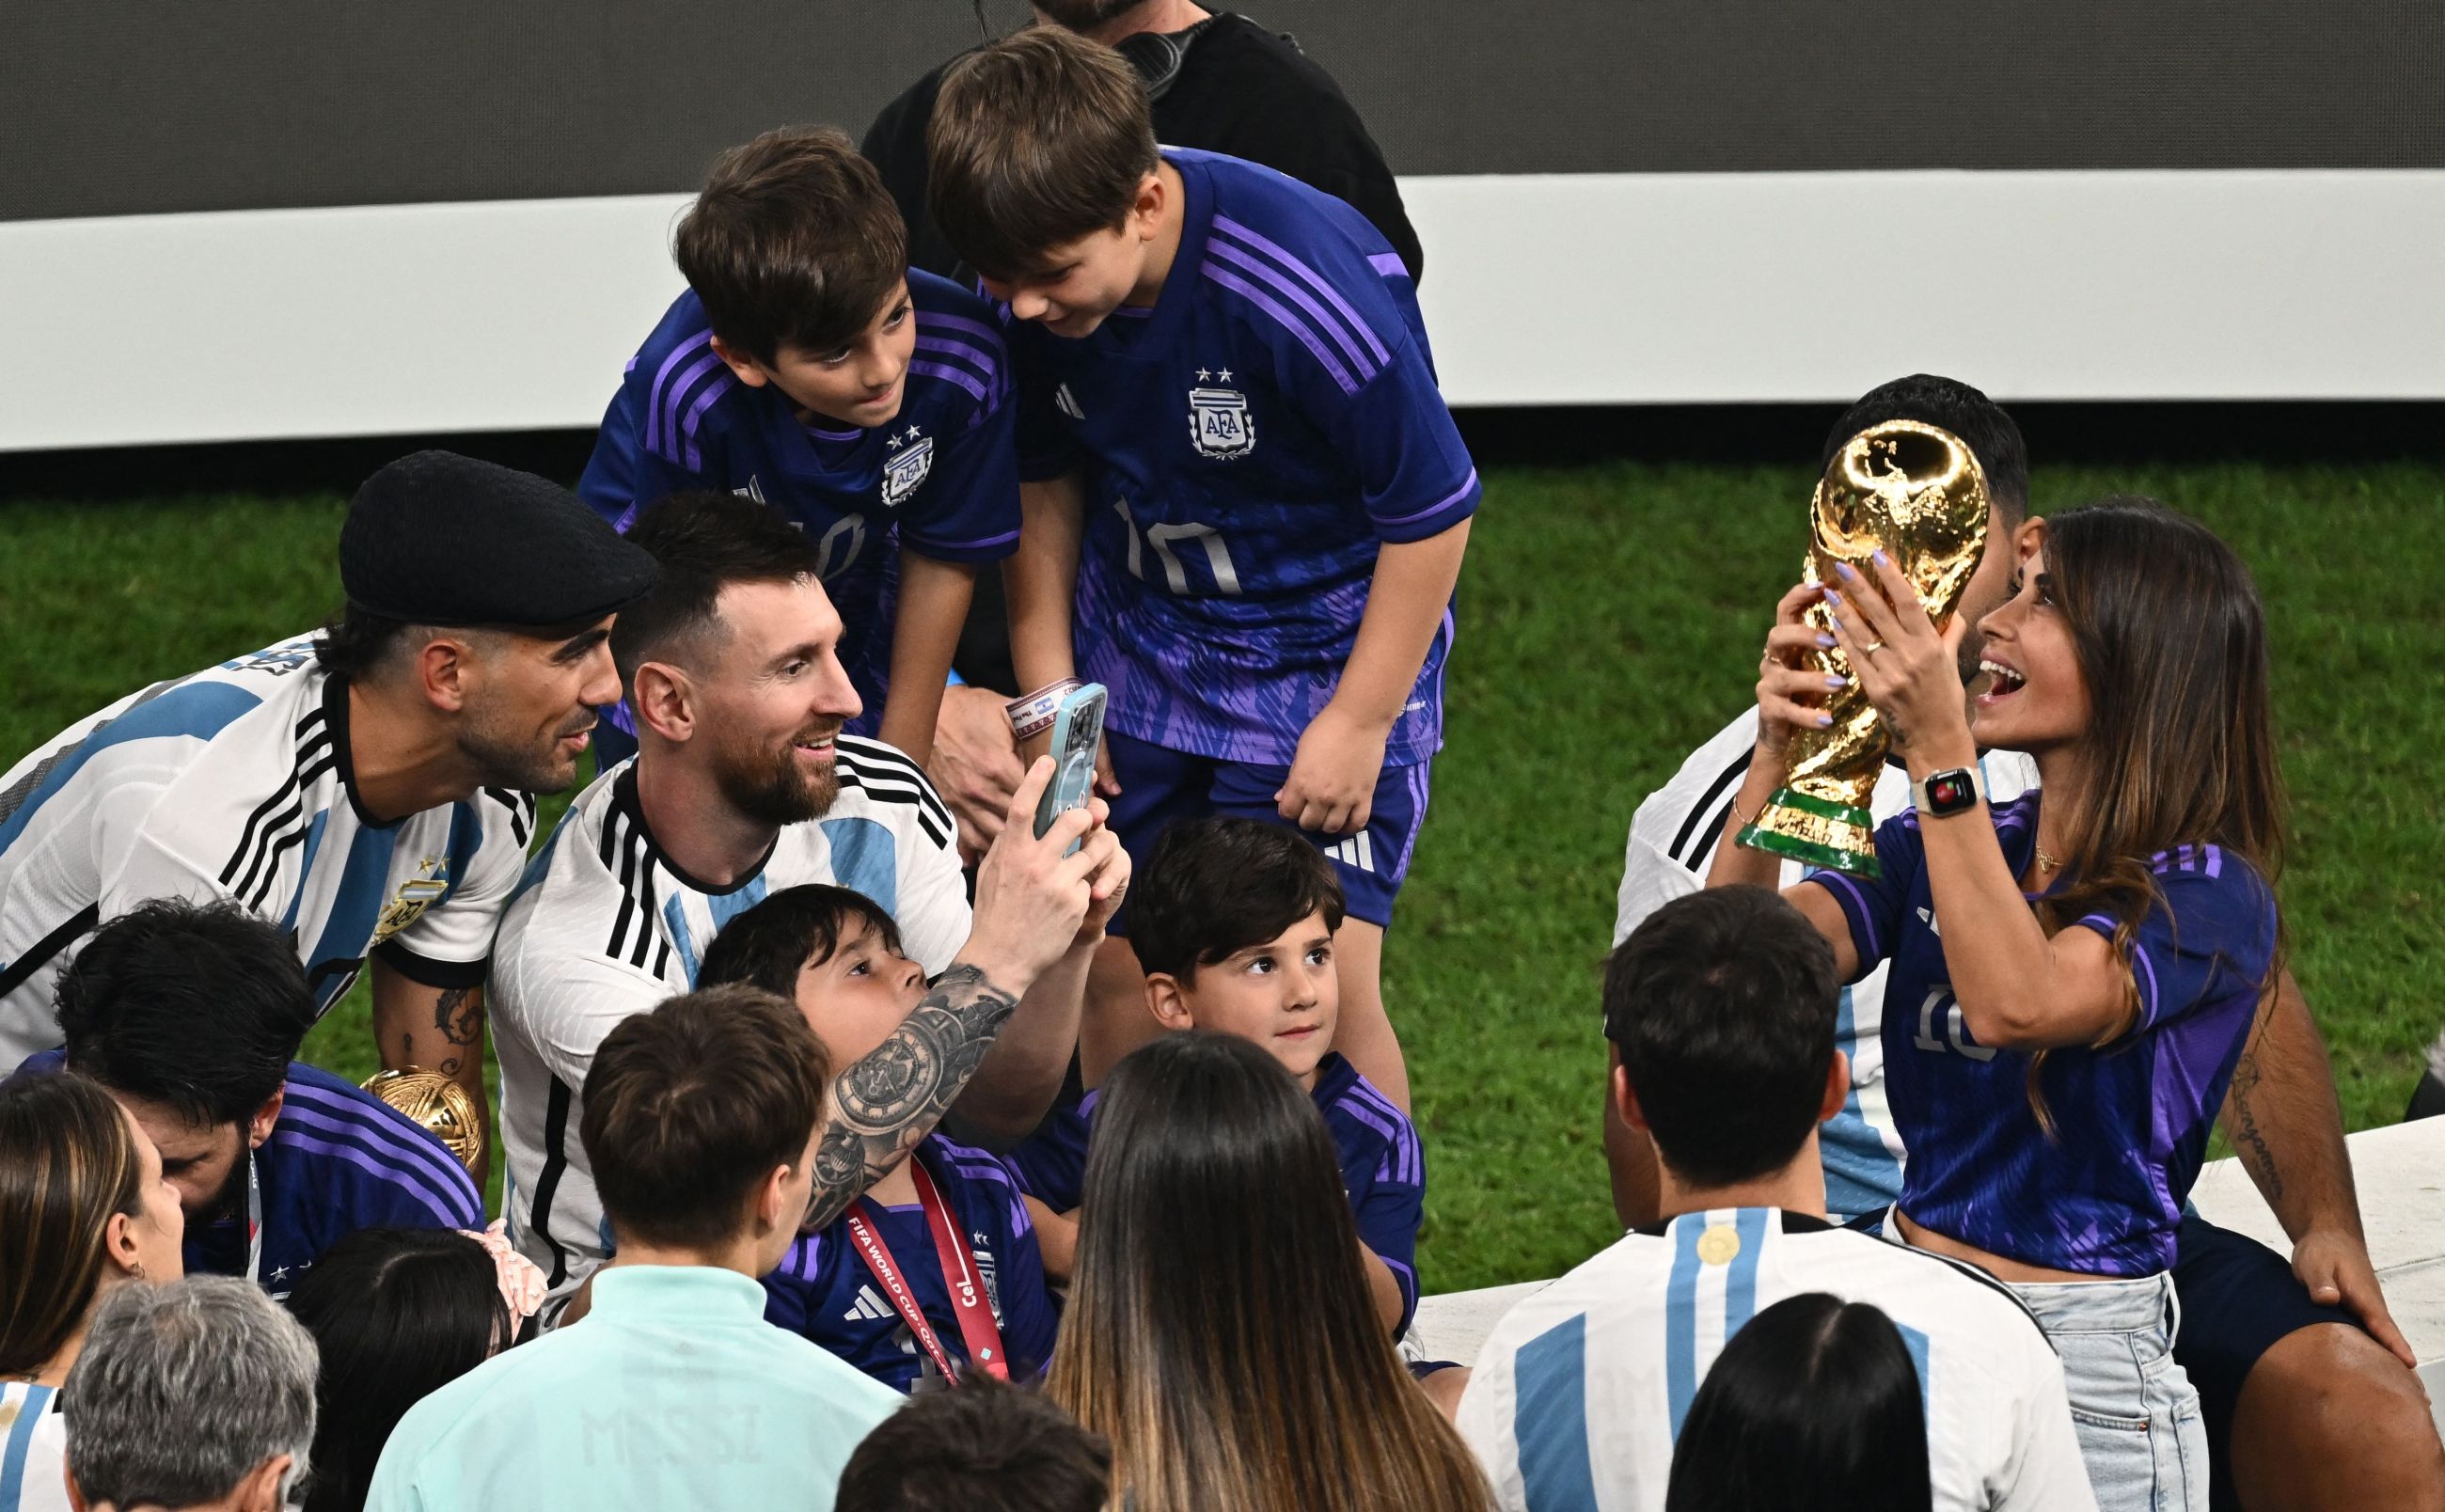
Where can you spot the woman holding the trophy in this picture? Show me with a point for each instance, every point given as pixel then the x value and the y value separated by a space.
pixel 2074 974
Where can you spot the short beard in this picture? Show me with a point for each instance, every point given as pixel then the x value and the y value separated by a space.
pixel 1084 15
pixel 230 1201
pixel 507 758
pixel 766 785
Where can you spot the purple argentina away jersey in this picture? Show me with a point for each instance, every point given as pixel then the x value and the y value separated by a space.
pixel 823 1290
pixel 2102 1193
pixel 339 1158
pixel 1382 1167
pixel 1247 444
pixel 940 480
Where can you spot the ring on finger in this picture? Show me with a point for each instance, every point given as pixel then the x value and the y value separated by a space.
pixel 1871 647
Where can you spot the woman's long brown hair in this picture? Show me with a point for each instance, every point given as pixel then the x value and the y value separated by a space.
pixel 1220 1330
pixel 2172 642
pixel 67 1162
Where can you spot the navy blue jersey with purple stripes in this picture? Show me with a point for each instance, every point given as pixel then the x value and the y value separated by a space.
pixel 940 480
pixel 1383 1167
pixel 2102 1193
pixel 1247 443
pixel 339 1158
pixel 824 1291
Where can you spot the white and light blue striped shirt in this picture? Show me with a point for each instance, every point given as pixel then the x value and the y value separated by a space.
pixel 33 1449
pixel 236 782
pixel 1580 1391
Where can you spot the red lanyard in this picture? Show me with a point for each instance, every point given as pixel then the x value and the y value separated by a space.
pixel 977 1328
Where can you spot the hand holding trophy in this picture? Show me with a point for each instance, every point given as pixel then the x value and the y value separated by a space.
pixel 1915 493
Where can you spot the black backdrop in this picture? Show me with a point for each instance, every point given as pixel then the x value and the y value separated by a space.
pixel 114 108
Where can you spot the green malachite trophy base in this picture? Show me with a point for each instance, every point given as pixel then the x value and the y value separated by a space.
pixel 1815 831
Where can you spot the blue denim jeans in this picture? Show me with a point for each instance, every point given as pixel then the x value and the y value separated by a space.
pixel 2133 1409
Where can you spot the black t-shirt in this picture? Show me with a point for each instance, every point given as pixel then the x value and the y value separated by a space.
pixel 1238 88
pixel 1233 88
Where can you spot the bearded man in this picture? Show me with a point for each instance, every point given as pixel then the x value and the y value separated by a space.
pixel 743 785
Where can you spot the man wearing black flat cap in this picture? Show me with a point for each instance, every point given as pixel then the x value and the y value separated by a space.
pixel 369 790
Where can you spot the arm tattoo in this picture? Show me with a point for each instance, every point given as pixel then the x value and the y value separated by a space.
pixel 461 1020
pixel 2241 1127
pixel 886 1102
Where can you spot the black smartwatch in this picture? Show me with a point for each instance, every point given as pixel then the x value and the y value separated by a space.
pixel 1944 793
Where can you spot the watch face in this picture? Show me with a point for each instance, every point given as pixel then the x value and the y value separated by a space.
pixel 1950 792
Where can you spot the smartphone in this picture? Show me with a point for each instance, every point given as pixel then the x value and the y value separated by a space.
pixel 1078 729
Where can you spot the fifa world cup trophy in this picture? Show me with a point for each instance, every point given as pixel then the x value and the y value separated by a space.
pixel 437 1103
pixel 1916 492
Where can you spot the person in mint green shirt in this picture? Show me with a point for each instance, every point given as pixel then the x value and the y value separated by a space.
pixel 671 1391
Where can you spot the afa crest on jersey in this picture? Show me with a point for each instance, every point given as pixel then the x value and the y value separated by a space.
pixel 414 895
pixel 911 458
pixel 1219 422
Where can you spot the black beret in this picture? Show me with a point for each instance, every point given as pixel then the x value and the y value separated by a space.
pixel 437 538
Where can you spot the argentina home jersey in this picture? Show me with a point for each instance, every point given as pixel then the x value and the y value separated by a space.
pixel 236 783
pixel 823 1290
pixel 604 924
pixel 2103 1191
pixel 941 479
pixel 339 1158
pixel 1581 1389
pixel 1247 444
pixel 1383 1167
pixel 1673 841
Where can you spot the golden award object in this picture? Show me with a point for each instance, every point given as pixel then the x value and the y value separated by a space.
pixel 438 1104
pixel 1916 492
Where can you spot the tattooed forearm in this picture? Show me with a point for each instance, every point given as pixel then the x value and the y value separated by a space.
pixel 886 1102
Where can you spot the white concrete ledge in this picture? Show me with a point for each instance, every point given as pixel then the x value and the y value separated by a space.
pixel 2400 1172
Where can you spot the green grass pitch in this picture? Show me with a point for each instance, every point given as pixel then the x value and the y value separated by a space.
pixel 1610 619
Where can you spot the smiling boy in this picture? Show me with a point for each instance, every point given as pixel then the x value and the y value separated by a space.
pixel 808 368
pixel 1236 925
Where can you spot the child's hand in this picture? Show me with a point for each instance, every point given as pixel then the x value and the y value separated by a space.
pixel 1332 786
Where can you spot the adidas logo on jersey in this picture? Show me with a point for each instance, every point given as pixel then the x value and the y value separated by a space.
pixel 1067 403
pixel 1928 917
pixel 869 1307
pixel 1358 852
pixel 755 490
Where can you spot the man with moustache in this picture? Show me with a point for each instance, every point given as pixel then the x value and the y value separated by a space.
pixel 369 790
pixel 742 785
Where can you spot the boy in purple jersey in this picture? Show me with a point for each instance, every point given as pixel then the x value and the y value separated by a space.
pixel 807 368
pixel 2073 975
pixel 1247 503
pixel 1236 922
pixel 837 955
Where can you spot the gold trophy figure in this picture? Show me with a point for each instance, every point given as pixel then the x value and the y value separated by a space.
pixel 1916 492
pixel 438 1104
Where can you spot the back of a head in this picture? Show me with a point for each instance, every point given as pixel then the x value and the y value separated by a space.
pixel 1723 1004
pixel 767 945
pixel 688 1107
pixel 1948 403
pixel 1216 885
pixel 1813 1407
pixel 984 1448
pixel 1218 1331
pixel 185 1390
pixel 67 1162
pixel 397 1313
pixel 793 242
pixel 702 542
pixel 1038 140
pixel 198 1006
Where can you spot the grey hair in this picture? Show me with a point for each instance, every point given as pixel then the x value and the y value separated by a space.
pixel 185 1389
